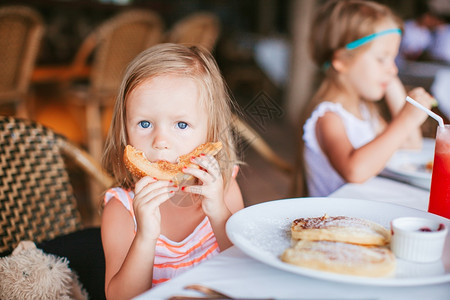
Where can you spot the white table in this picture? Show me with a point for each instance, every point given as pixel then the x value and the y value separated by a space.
pixel 386 190
pixel 238 275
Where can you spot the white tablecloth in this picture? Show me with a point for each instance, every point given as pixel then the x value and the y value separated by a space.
pixel 386 190
pixel 238 275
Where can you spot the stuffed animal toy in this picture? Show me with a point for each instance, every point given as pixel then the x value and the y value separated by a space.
pixel 29 273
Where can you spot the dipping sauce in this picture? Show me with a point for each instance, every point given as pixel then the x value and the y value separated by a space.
pixel 427 229
pixel 418 239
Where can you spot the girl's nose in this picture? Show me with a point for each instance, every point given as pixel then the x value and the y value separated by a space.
pixel 160 140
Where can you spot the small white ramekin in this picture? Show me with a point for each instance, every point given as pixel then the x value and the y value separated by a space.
pixel 410 243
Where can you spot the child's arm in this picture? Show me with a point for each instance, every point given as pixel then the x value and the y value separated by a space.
pixel 117 237
pixel 129 257
pixel 233 202
pixel 217 204
pixel 395 100
pixel 233 195
pixel 358 165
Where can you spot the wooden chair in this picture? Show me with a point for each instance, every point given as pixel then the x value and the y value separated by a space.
pixel 37 200
pixel 21 31
pixel 202 28
pixel 111 46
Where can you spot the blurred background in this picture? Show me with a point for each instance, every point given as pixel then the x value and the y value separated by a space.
pixel 260 46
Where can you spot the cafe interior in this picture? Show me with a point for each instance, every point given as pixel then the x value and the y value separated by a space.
pixel 61 62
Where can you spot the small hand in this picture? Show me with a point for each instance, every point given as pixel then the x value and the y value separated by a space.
pixel 211 184
pixel 395 95
pixel 424 98
pixel 149 194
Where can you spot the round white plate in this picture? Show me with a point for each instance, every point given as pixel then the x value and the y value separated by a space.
pixel 262 231
pixel 410 165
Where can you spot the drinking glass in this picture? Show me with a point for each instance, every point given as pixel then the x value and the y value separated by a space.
pixel 440 179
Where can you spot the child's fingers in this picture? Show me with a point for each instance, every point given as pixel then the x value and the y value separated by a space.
pixel 422 96
pixel 144 181
pixel 200 174
pixel 209 175
pixel 148 181
pixel 194 189
pixel 149 194
pixel 207 162
pixel 209 168
pixel 157 199
pixel 434 103
pixel 154 187
pixel 417 92
pixel 154 197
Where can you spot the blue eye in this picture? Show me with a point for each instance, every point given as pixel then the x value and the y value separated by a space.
pixel 182 125
pixel 144 124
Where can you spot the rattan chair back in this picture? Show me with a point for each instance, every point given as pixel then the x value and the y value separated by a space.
pixel 36 196
pixel 114 44
pixel 21 31
pixel 202 28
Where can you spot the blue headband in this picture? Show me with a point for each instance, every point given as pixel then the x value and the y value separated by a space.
pixel 364 40
pixel 370 37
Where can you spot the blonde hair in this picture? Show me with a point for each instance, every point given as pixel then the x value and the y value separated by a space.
pixel 174 59
pixel 337 23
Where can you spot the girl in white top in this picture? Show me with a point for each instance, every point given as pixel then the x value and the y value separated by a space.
pixel 345 138
pixel 171 100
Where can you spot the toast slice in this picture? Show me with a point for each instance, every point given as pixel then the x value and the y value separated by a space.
pixel 340 229
pixel 342 258
pixel 140 166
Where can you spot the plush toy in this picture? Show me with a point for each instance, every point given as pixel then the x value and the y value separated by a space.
pixel 29 273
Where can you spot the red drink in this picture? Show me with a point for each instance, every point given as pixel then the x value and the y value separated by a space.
pixel 440 179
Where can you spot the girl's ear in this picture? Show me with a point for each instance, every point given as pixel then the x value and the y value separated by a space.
pixel 340 61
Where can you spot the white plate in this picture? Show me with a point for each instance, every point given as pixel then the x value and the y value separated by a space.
pixel 262 231
pixel 410 165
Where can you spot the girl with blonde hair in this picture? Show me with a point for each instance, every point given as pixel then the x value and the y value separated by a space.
pixel 345 138
pixel 171 100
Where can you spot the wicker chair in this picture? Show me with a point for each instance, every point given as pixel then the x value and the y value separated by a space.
pixel 21 31
pixel 201 28
pixel 111 46
pixel 36 197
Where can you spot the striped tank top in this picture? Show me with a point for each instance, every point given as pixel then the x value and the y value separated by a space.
pixel 173 258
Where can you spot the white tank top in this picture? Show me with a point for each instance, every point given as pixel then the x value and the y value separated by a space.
pixel 173 258
pixel 321 177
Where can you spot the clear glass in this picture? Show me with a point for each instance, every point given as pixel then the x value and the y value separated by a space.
pixel 440 179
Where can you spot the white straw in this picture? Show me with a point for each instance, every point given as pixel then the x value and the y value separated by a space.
pixel 429 112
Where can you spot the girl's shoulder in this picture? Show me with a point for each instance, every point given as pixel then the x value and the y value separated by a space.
pixel 327 106
pixel 121 194
pixel 337 108
pixel 349 120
